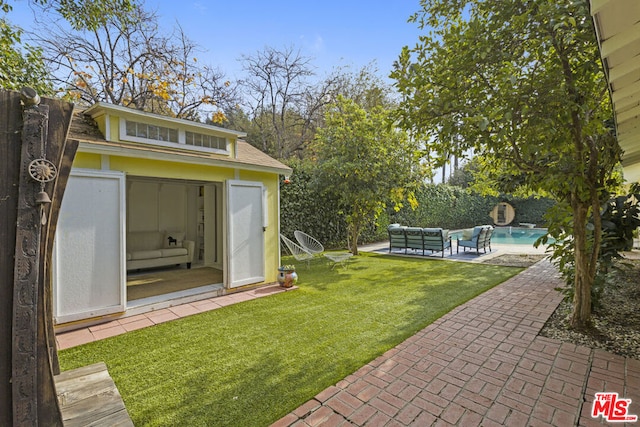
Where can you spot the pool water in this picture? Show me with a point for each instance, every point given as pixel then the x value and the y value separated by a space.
pixel 511 235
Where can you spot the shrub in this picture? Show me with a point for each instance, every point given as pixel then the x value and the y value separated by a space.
pixel 303 207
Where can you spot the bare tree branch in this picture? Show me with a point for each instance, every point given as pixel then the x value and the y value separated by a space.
pixel 128 61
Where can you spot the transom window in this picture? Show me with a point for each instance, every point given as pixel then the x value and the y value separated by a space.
pixel 178 137
pixel 207 141
pixel 157 133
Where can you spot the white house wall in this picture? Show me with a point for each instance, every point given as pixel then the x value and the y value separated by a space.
pixel 158 206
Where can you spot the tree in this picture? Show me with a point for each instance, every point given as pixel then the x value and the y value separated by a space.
pixel 522 83
pixel 366 162
pixel 80 14
pixel 21 65
pixel 463 176
pixel 283 104
pixel 364 86
pixel 128 61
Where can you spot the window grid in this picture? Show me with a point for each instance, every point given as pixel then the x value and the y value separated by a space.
pixel 157 133
pixel 207 141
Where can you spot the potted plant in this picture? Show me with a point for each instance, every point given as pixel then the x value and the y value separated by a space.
pixel 287 276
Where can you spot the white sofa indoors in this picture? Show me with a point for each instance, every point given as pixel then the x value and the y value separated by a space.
pixel 147 249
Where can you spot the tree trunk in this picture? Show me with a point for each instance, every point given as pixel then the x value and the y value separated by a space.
pixel 581 316
pixel 354 243
pixel 353 237
pixel 354 232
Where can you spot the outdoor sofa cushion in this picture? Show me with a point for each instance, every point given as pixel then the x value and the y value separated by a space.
pixel 436 240
pixel 397 238
pixel 416 238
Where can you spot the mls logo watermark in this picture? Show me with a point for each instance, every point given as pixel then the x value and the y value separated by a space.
pixel 612 408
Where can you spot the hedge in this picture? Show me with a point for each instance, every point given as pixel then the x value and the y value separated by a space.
pixel 303 207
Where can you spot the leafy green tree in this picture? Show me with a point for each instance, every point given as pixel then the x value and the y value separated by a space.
pixel 521 83
pixel 364 86
pixel 366 162
pixel 463 176
pixel 285 105
pixel 21 64
pixel 81 14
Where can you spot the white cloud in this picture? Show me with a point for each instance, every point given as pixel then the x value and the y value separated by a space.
pixel 319 43
pixel 199 7
pixel 315 45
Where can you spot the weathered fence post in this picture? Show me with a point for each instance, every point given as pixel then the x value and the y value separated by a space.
pixel 33 153
pixel 10 124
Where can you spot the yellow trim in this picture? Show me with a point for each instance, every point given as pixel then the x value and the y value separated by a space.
pixel 87 161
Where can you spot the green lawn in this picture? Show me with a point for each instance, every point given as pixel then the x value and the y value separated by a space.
pixel 251 363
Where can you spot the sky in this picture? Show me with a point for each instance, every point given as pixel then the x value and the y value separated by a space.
pixel 332 33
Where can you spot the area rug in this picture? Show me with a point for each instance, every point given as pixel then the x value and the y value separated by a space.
pixel 515 260
pixel 164 281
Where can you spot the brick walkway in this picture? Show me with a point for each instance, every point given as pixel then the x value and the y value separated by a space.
pixel 482 364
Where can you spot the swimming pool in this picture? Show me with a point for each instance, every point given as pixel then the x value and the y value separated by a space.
pixel 511 235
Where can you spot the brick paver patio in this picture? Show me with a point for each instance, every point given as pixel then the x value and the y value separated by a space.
pixel 482 364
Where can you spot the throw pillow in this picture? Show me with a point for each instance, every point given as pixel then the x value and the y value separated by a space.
pixel 467 234
pixel 173 239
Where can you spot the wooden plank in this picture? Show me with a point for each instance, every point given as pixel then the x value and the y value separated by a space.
pixel 118 419
pixel 10 136
pixel 89 397
pixel 60 114
pixel 81 372
pixel 77 389
pixel 620 40
pixel 44 130
pixel 598 5
pixel 100 400
pixel 28 357
pixel 96 409
pixel 64 170
pixel 27 273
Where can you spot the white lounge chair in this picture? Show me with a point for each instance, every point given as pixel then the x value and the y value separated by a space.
pixel 309 243
pixel 298 252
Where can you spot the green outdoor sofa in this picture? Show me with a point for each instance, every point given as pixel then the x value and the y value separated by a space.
pixel 477 238
pixel 419 239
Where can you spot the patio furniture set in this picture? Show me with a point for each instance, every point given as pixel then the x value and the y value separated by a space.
pixel 400 237
pixel 438 239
